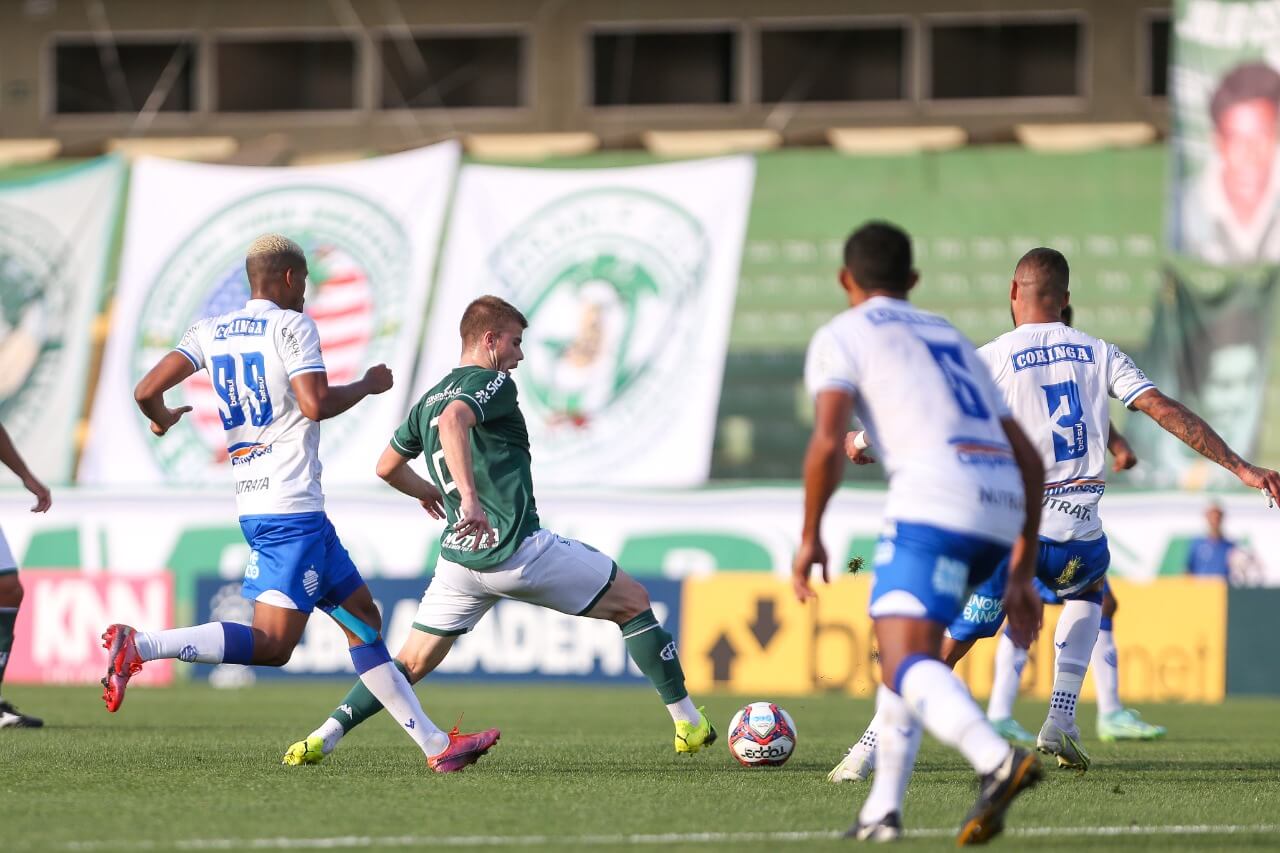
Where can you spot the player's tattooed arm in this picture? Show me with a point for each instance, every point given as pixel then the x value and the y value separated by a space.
pixel 1192 430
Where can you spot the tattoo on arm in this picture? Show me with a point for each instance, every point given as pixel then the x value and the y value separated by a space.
pixel 1191 430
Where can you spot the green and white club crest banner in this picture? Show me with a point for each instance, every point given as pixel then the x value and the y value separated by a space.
pixel 370 230
pixel 55 237
pixel 628 278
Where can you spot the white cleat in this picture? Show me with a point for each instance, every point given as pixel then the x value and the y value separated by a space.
pixel 1064 744
pixel 856 766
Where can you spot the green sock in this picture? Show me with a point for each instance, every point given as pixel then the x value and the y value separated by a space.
pixel 359 704
pixel 8 615
pixel 654 652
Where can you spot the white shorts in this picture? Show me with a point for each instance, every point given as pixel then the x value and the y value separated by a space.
pixel 546 570
pixel 7 563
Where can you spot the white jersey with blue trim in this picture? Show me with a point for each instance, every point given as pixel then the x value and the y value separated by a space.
pixel 932 412
pixel 1056 380
pixel 274 449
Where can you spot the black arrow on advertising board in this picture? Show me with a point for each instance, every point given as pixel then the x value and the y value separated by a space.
pixel 765 628
pixel 722 655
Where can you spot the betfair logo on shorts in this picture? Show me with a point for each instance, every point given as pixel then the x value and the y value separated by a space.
pixel 950 577
pixel 251 570
pixel 610 280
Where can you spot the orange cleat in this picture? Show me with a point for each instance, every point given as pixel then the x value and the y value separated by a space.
pixel 463 750
pixel 123 662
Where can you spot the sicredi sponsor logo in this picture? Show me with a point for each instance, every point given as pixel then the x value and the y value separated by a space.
pixel 1041 356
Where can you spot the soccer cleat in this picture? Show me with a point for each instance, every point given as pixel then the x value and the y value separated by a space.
pixel 123 662
pixel 463 750
pixel 690 738
pixel 887 828
pixel 1012 731
pixel 856 766
pixel 996 792
pixel 1055 740
pixel 1126 724
pixel 309 751
pixel 12 718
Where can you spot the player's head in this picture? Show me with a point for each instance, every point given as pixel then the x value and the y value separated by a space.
pixel 492 332
pixel 1040 288
pixel 877 261
pixel 1213 517
pixel 277 270
pixel 1244 108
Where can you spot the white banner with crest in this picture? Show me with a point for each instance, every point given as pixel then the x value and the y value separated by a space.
pixel 370 231
pixel 628 278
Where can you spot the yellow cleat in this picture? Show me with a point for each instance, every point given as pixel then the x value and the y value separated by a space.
pixel 309 751
pixel 691 738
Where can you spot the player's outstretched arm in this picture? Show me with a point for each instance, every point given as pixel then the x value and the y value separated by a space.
pixel 1022 604
pixel 14 462
pixel 1121 450
pixel 455 425
pixel 150 390
pixel 823 466
pixel 320 401
pixel 1189 428
pixel 393 467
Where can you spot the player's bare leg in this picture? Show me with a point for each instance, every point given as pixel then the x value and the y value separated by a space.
pixel 10 601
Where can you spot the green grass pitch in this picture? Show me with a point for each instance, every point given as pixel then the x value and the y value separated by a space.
pixel 579 768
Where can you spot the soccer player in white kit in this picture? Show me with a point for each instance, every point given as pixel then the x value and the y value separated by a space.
pixel 964 491
pixel 266 367
pixel 1057 381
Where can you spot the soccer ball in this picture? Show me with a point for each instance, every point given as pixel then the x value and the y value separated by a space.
pixel 762 735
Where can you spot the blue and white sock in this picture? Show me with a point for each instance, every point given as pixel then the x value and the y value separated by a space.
pixel 212 642
pixel 1009 663
pixel 939 699
pixel 389 686
pixel 1073 643
pixel 1105 666
pixel 895 741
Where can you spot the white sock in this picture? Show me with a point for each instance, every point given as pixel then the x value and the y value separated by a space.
pixel 1008 675
pixel 938 698
pixel 1105 666
pixel 684 711
pixel 389 686
pixel 330 732
pixel 895 742
pixel 197 644
pixel 1073 641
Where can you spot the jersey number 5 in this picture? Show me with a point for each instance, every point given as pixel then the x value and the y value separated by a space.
pixel 1075 443
pixel 254 369
pixel 966 391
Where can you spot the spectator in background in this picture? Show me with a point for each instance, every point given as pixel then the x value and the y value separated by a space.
pixel 1210 555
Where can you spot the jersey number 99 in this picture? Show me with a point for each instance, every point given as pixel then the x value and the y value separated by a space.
pixel 254 370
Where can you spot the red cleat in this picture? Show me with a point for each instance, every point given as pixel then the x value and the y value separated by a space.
pixel 463 750
pixel 123 662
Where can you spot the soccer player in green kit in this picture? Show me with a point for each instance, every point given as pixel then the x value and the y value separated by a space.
pixel 493 546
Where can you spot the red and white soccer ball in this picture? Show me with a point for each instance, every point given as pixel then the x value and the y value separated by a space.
pixel 762 735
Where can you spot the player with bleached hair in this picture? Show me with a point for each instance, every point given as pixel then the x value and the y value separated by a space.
pixel 473 434
pixel 265 364
pixel 964 496
pixel 1057 381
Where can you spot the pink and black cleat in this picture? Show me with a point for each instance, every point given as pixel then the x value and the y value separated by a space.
pixel 463 750
pixel 123 662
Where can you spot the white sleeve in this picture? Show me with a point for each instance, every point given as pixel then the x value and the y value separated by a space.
pixel 1125 380
pixel 828 366
pixel 299 344
pixel 984 371
pixel 192 346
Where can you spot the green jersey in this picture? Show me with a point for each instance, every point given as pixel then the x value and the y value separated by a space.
pixel 499 461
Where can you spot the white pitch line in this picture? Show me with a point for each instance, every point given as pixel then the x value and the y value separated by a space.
pixel 349 841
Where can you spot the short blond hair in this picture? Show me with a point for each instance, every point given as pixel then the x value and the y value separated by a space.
pixel 271 254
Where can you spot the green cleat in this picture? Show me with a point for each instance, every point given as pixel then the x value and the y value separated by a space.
pixel 1065 745
pixel 1127 725
pixel 1012 731
pixel 691 738
pixel 309 751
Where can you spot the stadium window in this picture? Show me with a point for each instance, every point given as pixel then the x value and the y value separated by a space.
pixel 833 64
pixel 122 76
pixel 659 68
pixel 1005 60
pixel 452 71
pixel 295 74
pixel 1156 76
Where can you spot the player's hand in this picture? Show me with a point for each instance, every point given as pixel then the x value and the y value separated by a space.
pixel 44 499
pixel 1263 479
pixel 1124 459
pixel 1025 612
pixel 378 379
pixel 810 553
pixel 474 522
pixel 172 416
pixel 857 455
pixel 433 503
